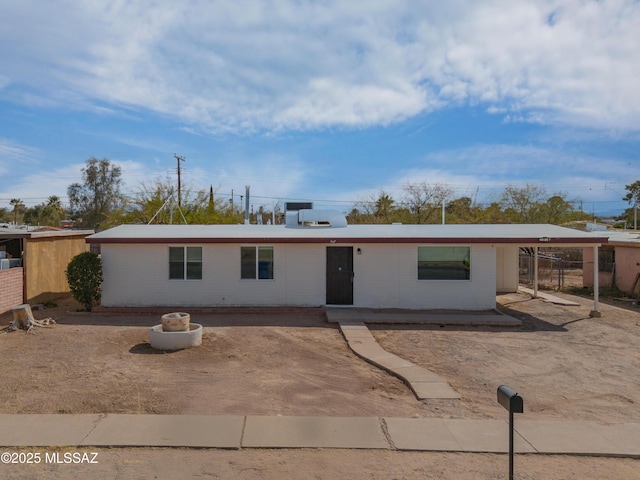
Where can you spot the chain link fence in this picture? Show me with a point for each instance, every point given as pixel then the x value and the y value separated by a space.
pixel 557 269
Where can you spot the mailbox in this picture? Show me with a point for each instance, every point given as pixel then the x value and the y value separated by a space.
pixel 510 399
pixel 513 403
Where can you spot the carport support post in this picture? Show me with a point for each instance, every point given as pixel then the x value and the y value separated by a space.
pixel 535 272
pixel 596 285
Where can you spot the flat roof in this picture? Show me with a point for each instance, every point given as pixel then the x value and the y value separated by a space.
pixel 530 234
pixel 630 238
pixel 25 233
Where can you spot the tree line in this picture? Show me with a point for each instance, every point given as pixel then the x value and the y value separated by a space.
pixel 422 203
pixel 98 203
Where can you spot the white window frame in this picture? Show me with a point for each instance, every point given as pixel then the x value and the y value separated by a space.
pixel 185 263
pixel 464 266
pixel 256 259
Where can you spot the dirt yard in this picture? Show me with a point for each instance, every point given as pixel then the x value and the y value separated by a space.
pixel 566 366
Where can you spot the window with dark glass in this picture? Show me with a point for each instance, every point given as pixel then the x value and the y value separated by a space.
pixel 256 263
pixel 606 258
pixel 444 263
pixel 185 263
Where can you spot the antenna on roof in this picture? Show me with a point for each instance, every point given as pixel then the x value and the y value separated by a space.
pixel 170 201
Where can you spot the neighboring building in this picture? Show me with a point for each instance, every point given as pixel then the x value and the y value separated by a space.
pixel 309 263
pixel 33 264
pixel 618 262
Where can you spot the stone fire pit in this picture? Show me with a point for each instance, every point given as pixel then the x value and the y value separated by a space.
pixel 175 332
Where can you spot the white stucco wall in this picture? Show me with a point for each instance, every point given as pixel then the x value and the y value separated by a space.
pixel 138 275
pixel 385 277
pixel 507 266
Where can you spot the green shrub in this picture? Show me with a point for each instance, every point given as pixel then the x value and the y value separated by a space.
pixel 84 274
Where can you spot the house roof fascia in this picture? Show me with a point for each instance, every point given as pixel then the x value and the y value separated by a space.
pixel 621 243
pixel 629 238
pixel 374 234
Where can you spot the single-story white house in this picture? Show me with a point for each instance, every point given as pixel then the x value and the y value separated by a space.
pixel 309 262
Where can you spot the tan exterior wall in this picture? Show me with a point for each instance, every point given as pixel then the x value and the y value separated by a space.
pixel 587 269
pixel 45 262
pixel 507 266
pixel 627 268
pixel 10 288
pixel 627 258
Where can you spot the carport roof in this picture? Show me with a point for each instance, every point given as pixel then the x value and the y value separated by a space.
pixel 523 235
pixel 7 233
pixel 623 238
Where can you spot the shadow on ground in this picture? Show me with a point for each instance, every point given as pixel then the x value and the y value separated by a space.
pixel 301 317
pixel 530 323
pixel 145 348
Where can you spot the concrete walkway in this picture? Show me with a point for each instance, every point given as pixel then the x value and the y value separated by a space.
pixel 547 297
pixel 424 383
pixel 235 432
pixel 420 317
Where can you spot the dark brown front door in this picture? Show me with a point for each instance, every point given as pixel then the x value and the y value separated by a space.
pixel 339 275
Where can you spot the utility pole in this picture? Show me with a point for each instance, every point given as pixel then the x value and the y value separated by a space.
pixel 246 208
pixel 179 159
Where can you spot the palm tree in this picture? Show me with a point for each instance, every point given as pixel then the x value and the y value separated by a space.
pixel 17 205
pixel 384 206
pixel 55 205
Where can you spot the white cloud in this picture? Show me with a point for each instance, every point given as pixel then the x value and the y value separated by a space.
pixel 36 186
pixel 245 66
pixel 488 169
pixel 269 176
pixel 482 173
pixel 328 102
pixel 13 156
pixel 31 188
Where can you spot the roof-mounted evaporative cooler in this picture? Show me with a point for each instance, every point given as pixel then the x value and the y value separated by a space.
pixel 315 218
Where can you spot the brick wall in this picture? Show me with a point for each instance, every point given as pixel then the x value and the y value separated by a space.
pixel 10 288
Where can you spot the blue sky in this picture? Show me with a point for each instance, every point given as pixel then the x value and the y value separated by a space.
pixel 326 101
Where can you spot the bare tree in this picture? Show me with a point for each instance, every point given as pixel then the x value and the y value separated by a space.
pixel 364 210
pixel 424 201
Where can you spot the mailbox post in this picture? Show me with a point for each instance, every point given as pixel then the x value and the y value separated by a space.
pixel 511 401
